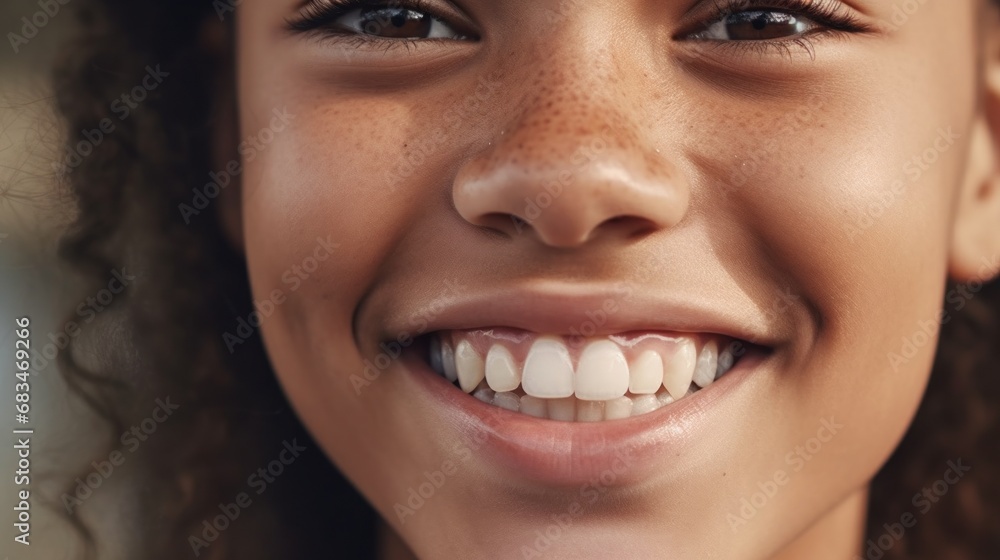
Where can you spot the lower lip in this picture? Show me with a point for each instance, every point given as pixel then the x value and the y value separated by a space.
pixel 571 454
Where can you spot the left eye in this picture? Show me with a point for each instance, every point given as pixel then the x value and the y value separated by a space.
pixel 395 23
pixel 756 25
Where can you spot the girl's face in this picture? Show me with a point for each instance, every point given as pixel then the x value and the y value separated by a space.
pixel 580 199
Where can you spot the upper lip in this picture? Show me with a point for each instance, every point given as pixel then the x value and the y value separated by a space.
pixel 562 308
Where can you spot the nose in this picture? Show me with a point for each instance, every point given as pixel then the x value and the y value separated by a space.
pixel 570 168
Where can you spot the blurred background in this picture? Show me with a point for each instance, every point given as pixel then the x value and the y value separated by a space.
pixel 33 284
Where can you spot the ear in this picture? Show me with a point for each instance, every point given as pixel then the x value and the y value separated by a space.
pixel 217 43
pixel 975 244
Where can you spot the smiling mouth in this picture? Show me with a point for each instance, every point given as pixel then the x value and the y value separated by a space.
pixel 581 379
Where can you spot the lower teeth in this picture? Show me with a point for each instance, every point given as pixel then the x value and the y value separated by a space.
pixel 572 409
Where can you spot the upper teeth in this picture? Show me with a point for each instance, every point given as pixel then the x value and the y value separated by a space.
pixel 471 369
pixel 502 372
pixel 646 373
pixel 548 370
pixel 679 371
pixel 705 367
pixel 604 371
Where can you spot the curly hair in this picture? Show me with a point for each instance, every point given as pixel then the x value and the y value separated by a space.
pixel 163 336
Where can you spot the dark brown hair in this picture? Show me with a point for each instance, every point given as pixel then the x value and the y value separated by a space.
pixel 163 337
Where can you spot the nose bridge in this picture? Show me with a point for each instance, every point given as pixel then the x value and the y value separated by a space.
pixel 573 103
pixel 571 158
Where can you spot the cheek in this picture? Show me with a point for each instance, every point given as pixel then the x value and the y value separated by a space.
pixel 321 183
pixel 326 176
pixel 366 169
pixel 854 210
pixel 358 175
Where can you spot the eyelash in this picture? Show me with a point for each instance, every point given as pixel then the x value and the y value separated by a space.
pixel 830 15
pixel 316 18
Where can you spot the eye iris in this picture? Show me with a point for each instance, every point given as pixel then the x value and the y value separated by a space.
pixel 756 26
pixel 396 23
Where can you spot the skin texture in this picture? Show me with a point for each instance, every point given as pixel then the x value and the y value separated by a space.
pixel 750 179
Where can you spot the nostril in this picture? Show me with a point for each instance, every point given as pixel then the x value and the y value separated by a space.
pixel 619 222
pixel 632 227
pixel 502 223
pixel 559 201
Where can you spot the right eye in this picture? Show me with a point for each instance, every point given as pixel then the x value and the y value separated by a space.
pixel 396 23
pixel 758 25
pixel 405 21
